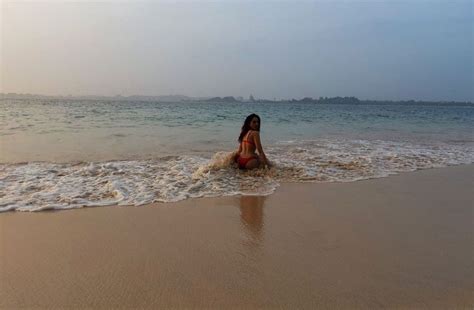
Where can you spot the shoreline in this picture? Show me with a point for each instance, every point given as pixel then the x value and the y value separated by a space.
pixel 403 241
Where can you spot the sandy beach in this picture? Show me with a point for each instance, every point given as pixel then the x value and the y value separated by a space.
pixel 405 241
pixel 129 132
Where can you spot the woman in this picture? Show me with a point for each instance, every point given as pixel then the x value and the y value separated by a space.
pixel 249 140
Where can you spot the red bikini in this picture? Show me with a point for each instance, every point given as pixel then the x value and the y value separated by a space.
pixel 242 161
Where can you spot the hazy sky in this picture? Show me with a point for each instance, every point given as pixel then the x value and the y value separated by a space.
pixel 385 49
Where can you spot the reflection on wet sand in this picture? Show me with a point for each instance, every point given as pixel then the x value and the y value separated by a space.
pixel 251 217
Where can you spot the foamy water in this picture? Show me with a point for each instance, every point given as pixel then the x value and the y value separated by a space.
pixel 38 186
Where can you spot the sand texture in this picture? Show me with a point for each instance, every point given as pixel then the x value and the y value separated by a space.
pixel 400 242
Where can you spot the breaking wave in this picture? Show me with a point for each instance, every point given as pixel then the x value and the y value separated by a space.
pixel 36 186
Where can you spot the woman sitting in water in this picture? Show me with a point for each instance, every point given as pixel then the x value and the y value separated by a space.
pixel 249 140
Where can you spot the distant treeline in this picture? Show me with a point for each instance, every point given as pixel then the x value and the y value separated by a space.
pixel 231 100
pixel 336 100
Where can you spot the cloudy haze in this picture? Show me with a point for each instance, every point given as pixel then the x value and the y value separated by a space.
pixel 372 49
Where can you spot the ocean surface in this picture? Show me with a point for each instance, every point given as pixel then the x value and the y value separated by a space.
pixel 63 154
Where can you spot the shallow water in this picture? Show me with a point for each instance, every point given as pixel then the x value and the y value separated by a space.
pixel 70 154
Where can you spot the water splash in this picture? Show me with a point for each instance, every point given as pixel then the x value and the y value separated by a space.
pixel 39 186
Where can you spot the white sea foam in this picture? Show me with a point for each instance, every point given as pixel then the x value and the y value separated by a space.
pixel 39 186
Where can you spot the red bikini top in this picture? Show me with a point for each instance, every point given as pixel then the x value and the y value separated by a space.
pixel 248 141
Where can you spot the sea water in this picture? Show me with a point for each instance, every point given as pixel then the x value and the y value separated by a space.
pixel 62 154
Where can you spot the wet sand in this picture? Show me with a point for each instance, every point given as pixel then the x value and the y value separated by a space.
pixel 400 242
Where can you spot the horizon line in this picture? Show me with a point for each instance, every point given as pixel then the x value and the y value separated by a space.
pixel 242 98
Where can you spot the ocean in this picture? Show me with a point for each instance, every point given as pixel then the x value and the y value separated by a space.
pixel 64 154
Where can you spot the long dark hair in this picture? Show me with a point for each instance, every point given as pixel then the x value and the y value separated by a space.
pixel 246 125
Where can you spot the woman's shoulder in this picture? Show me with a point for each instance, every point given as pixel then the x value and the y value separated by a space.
pixel 253 135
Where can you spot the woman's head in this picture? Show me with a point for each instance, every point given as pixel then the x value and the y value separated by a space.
pixel 252 122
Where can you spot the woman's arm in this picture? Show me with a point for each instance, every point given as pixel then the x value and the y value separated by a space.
pixel 258 144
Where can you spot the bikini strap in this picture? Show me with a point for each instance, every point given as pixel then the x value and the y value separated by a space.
pixel 246 140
